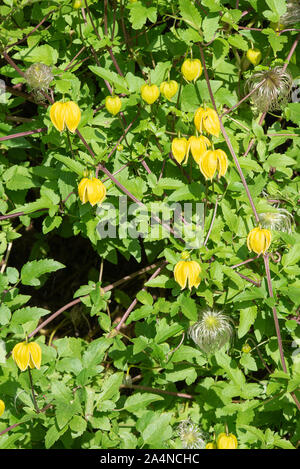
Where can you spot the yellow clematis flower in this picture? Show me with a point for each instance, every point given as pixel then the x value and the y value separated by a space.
pixel 187 271
pixel 198 146
pixel 207 119
pixel 65 114
pixel 27 353
pixel 2 407
pixel 225 441
pixel 92 191
pixel 191 69
pixel 212 161
pixel 259 240
pixel 254 56
pixel 169 88
pixel 179 148
pixel 149 93
pixel 113 104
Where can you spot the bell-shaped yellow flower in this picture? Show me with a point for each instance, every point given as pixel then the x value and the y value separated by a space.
pixel 113 104
pixel 187 271
pixel 179 148
pixel 254 56
pixel 27 353
pixel 191 69
pixel 149 93
pixel 169 88
pixel 91 190
pixel 225 441
pixel 207 119
pixel 2 407
pixel 212 161
pixel 198 146
pixel 65 114
pixel 259 240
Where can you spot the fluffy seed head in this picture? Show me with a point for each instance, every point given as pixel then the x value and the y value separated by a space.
pixel 212 331
pixel 272 89
pixel 280 220
pixel 39 76
pixel 191 435
pixel 292 14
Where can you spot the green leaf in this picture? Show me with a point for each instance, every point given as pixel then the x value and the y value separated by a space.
pixel 21 316
pixel 140 400
pixel 44 54
pixel 73 165
pixel 113 78
pixel 190 14
pixel 247 318
pixel 144 297
pixel 32 271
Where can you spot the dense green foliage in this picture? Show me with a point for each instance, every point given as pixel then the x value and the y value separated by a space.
pixel 102 388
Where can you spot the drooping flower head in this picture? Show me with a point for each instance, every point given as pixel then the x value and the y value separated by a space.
pixel 149 93
pixel 212 161
pixel 259 240
pixel 227 441
pixel 113 104
pixel 191 435
pixel 92 191
pixel 27 354
pixel 279 220
pixel 272 89
pixel 187 271
pixel 179 148
pixel 65 114
pixel 191 69
pixel 212 331
pixel 168 89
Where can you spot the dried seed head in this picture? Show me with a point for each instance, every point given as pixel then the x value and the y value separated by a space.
pixel 280 220
pixel 212 331
pixel 292 14
pixel 191 435
pixel 273 89
pixel 39 76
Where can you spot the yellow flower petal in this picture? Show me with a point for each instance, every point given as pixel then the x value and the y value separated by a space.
pixel 21 355
pixel 211 122
pixel 82 190
pixel 198 119
pixel 181 273
pixel 72 115
pixel 194 274
pixel 57 115
pixel 208 164
pixel 35 355
pixel 222 162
